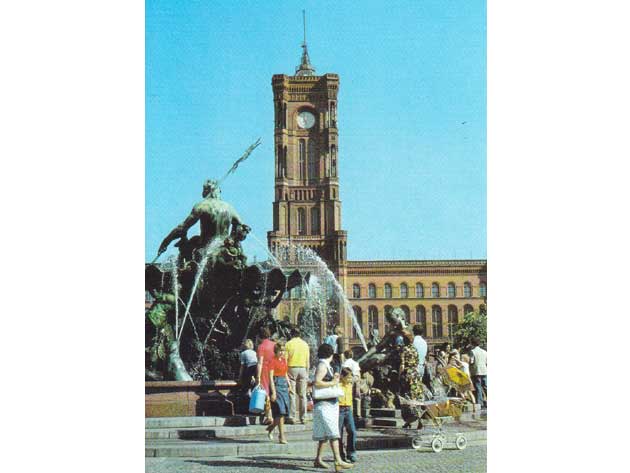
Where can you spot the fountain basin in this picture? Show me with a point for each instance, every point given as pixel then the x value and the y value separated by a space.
pixel 190 398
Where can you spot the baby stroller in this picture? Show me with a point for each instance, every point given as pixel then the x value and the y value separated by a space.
pixel 434 409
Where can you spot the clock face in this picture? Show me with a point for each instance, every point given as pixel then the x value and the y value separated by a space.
pixel 305 120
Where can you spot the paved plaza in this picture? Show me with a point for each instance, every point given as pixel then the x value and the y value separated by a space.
pixel 470 460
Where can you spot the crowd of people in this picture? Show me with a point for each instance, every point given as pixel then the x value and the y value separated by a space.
pixel 282 369
pixel 463 370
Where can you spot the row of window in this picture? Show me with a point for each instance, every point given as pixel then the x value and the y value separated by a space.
pixel 404 290
pixel 420 318
pixel 308 162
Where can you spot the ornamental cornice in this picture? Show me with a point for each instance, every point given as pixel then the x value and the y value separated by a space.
pixel 461 262
pixel 425 272
pixel 419 267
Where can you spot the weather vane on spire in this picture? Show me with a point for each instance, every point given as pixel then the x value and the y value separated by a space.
pixel 305 68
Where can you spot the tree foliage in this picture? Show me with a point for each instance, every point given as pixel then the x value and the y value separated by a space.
pixel 474 324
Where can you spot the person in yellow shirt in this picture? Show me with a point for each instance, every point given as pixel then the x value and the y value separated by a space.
pixel 298 359
pixel 346 419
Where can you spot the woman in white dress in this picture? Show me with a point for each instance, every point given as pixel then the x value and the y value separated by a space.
pixel 326 411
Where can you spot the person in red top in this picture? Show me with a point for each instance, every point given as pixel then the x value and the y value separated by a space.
pixel 265 355
pixel 279 384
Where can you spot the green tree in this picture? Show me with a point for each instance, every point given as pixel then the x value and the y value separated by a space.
pixel 474 324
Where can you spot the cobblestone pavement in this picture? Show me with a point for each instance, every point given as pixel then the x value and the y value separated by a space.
pixel 470 460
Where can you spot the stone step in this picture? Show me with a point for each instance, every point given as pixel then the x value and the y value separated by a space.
pixel 384 412
pixel 387 422
pixel 377 422
pixel 194 433
pixel 304 446
pixel 387 412
pixel 182 422
pixel 204 421
pixel 429 431
pixel 240 420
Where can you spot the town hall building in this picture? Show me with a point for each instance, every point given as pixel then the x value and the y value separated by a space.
pixel 307 212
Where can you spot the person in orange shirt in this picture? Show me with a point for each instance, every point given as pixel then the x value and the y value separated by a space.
pixel 346 419
pixel 279 385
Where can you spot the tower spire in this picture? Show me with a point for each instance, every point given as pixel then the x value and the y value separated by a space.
pixel 305 68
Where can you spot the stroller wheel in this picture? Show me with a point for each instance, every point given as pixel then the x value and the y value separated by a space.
pixel 416 443
pixel 461 442
pixel 437 445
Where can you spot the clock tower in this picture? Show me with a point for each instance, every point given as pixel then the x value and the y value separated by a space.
pixel 307 205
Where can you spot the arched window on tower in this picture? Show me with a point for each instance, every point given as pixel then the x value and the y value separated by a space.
pixel 333 161
pixel 453 320
pixel 358 313
pixel 421 317
pixel 404 291
pixel 451 289
pixel 436 321
pixel 332 113
pixel 279 162
pixel 284 115
pixel 301 221
pixel 314 221
pixel 302 159
pixel 435 290
pixel 372 291
pixel 312 162
pixel 467 291
pixel 388 291
pixel 356 291
pixel 419 290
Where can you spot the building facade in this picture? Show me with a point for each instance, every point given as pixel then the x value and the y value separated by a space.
pixel 434 294
pixel 307 212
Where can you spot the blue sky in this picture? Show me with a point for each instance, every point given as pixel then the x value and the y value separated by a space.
pixel 412 116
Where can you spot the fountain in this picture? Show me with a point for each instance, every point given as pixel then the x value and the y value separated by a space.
pixel 324 296
pixel 204 303
pixel 207 300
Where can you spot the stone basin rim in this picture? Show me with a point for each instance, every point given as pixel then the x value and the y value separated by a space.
pixel 191 384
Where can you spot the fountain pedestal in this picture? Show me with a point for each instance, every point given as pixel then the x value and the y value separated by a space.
pixel 190 398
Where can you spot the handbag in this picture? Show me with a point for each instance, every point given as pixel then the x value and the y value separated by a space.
pixel 330 392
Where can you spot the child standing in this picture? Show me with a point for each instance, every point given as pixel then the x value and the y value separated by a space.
pixel 346 419
pixel 356 375
pixel 249 362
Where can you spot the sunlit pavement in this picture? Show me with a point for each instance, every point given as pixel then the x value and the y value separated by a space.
pixel 470 460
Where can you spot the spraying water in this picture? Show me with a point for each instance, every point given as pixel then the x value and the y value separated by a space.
pixel 271 256
pixel 208 252
pixel 314 308
pixel 175 284
pixel 323 290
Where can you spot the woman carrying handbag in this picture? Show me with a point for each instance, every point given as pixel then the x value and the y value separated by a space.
pixel 326 409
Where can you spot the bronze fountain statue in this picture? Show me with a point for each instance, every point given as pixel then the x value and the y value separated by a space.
pixel 210 299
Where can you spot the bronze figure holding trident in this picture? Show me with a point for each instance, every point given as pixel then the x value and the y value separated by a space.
pixel 216 216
